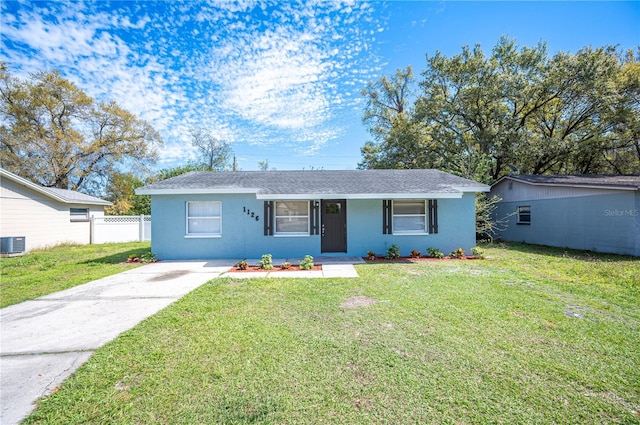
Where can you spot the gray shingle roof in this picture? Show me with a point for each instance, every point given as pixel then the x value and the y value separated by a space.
pixel 600 180
pixel 73 197
pixel 343 183
pixel 62 195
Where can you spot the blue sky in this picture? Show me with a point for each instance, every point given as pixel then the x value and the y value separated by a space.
pixel 279 81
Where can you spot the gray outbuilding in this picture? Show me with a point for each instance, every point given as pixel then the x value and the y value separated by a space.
pixel 591 212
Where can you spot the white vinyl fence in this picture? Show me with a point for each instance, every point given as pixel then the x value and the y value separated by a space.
pixel 120 228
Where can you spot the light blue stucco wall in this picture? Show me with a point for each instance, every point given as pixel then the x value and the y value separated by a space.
pixel 243 236
pixel 602 223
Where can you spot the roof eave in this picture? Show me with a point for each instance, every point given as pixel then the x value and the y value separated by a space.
pixel 44 191
pixel 584 186
pixel 306 196
pixel 198 191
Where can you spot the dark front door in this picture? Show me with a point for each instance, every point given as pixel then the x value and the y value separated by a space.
pixel 334 225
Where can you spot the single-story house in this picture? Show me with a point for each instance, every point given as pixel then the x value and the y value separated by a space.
pixel 591 212
pixel 289 214
pixel 44 216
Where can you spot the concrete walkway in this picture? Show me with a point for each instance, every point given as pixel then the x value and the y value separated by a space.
pixel 45 340
pixel 331 267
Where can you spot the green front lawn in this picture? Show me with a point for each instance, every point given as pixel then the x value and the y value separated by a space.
pixel 50 270
pixel 530 335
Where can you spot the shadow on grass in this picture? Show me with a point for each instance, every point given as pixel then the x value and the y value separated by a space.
pixel 552 251
pixel 120 257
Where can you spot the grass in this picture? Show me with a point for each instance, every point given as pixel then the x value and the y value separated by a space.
pixel 530 335
pixel 42 272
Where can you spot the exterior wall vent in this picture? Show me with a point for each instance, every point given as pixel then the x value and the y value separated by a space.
pixel 12 245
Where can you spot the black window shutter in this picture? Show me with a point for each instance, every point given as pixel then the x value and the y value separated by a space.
pixel 268 218
pixel 433 216
pixel 315 218
pixel 387 228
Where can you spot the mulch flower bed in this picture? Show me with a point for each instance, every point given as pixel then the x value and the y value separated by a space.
pixel 293 268
pixel 382 259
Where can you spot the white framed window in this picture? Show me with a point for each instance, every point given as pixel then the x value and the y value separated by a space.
pixel 79 214
pixel 291 218
pixel 524 214
pixel 204 219
pixel 409 217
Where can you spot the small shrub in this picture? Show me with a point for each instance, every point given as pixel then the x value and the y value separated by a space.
pixel 306 263
pixel 415 253
pixel 393 252
pixel 266 263
pixel 458 253
pixel 133 258
pixel 148 257
pixel 242 265
pixel 371 255
pixel 435 253
pixel 285 265
pixel 477 252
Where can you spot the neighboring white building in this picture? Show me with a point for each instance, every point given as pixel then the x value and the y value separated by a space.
pixel 45 216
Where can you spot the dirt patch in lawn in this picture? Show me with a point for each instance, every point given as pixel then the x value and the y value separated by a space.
pixel 359 301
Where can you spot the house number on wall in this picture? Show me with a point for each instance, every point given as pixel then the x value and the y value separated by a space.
pixel 251 213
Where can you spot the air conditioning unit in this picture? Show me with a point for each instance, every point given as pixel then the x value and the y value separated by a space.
pixel 12 245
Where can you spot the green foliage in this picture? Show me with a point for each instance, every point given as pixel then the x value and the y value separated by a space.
pixel 148 257
pixel 57 136
pixel 242 265
pixel 120 191
pixel 393 252
pixel 435 253
pixel 266 262
pixel 458 253
pixel 306 263
pixel 371 255
pixel 479 116
pixel 285 265
pixel 478 252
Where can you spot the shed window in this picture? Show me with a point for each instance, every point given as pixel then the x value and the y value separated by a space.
pixel 524 215
pixel 292 218
pixel 409 217
pixel 79 214
pixel 204 219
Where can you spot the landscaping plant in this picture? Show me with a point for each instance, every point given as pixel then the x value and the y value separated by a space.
pixel 266 263
pixel 458 254
pixel 393 252
pixel 477 252
pixel 306 263
pixel 435 253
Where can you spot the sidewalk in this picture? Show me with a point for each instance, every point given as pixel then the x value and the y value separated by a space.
pixel 44 340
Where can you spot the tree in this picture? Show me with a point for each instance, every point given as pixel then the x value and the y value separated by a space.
pixel 121 192
pixel 387 98
pixel 52 133
pixel 480 116
pixel 214 153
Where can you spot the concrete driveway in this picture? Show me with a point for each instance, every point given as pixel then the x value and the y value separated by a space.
pixel 44 340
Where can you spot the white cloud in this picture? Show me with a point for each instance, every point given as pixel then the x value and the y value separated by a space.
pixel 254 72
